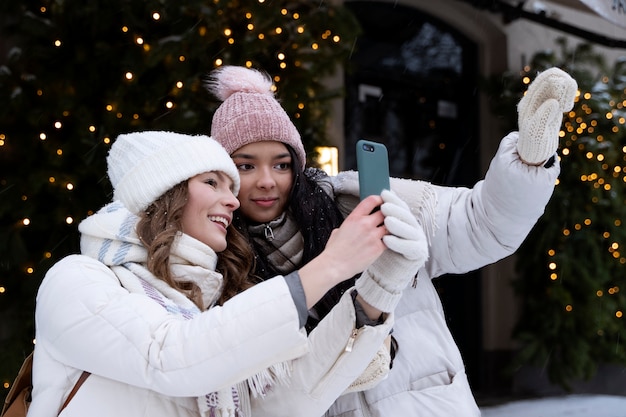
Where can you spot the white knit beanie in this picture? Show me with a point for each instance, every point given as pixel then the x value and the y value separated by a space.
pixel 142 166
pixel 249 112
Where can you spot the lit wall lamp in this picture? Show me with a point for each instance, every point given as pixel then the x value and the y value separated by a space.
pixel 327 159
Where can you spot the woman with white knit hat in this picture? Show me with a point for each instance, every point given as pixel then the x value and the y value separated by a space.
pixel 288 211
pixel 153 322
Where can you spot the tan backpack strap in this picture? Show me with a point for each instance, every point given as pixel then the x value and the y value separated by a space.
pixel 83 378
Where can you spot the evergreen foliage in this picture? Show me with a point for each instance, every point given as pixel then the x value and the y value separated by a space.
pixel 75 74
pixel 572 266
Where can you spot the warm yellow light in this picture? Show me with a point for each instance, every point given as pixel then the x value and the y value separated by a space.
pixel 156 16
pixel 124 29
pixel 30 270
pixel 218 62
pixel 568 308
pixel 58 125
pixel 26 221
pixel 92 128
pixel 57 43
pixel 281 56
pixel 328 159
pixel 129 75
pixel 42 136
pixel 169 105
pixel 139 40
pixel 69 186
pixel 69 220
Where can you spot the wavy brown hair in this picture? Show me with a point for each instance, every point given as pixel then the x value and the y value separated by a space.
pixel 159 225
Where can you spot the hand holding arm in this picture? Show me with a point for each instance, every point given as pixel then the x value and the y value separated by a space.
pixel 540 114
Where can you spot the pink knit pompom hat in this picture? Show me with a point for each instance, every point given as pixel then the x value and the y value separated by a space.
pixel 249 112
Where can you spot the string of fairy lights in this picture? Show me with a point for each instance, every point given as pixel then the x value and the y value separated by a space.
pixel 129 77
pixel 294 26
pixel 583 121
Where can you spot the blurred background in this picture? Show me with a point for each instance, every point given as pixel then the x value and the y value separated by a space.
pixel 437 82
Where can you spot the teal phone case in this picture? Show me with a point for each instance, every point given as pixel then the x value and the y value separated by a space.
pixel 373 166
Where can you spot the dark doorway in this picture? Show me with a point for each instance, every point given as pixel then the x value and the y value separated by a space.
pixel 411 85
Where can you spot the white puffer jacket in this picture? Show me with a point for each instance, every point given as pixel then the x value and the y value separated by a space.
pixel 471 228
pixel 147 360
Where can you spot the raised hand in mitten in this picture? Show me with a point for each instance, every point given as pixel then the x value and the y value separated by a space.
pixel 540 114
pixel 382 283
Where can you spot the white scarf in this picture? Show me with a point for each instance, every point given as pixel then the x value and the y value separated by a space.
pixel 110 236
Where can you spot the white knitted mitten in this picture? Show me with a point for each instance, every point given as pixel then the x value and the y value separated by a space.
pixel 540 114
pixel 381 284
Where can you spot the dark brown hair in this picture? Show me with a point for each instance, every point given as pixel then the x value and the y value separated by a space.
pixel 159 225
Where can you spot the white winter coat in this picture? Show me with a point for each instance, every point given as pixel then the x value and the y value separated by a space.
pixel 145 360
pixel 472 228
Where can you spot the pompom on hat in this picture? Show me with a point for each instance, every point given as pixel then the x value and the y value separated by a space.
pixel 142 166
pixel 249 112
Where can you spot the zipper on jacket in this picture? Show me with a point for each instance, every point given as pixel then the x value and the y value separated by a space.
pixel 269 233
pixel 321 385
pixel 414 284
pixel 355 333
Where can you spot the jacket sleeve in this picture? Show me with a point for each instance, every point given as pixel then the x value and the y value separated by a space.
pixel 476 227
pixel 322 375
pixel 87 321
pixel 470 228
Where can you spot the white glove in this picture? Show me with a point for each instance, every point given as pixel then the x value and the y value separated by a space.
pixel 540 114
pixel 382 283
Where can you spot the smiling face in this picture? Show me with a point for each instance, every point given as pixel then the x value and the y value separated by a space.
pixel 209 209
pixel 266 173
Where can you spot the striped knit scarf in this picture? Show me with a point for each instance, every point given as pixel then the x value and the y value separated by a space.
pixel 110 237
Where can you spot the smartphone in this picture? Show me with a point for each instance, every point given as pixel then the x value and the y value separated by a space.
pixel 373 166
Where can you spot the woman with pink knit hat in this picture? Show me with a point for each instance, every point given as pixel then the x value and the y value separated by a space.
pixel 288 211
